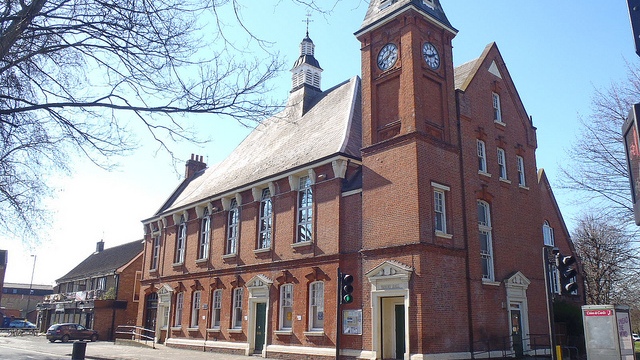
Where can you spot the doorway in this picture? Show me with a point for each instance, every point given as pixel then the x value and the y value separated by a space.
pixel 516 329
pixel 393 327
pixel 151 311
pixel 261 321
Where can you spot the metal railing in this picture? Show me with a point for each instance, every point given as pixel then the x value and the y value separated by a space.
pixel 536 345
pixel 136 333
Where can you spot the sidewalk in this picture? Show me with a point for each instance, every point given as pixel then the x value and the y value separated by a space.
pixel 106 350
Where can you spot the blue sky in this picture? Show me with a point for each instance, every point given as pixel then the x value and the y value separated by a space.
pixel 557 53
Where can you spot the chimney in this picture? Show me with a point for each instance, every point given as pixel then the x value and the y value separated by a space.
pixel 194 165
pixel 99 246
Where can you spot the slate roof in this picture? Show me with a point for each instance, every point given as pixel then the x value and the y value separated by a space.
pixel 105 262
pixel 283 143
pixel 375 14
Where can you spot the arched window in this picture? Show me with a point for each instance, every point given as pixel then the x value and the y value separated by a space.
pixel 266 220
pixel 286 306
pixel 316 306
pixel 232 229
pixel 205 233
pixel 547 233
pixel 305 210
pixel 181 241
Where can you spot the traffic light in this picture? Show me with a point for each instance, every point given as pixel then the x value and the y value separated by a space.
pixel 568 272
pixel 346 289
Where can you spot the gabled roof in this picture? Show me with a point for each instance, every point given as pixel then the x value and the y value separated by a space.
pixel 464 73
pixel 281 144
pixel 105 262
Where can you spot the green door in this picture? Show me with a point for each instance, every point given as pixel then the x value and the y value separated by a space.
pixel 400 337
pixel 261 317
pixel 516 331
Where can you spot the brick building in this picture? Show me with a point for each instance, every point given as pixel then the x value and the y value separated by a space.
pixel 418 179
pixel 20 300
pixel 101 292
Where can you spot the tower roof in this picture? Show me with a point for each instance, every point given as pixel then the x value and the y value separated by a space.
pixel 381 10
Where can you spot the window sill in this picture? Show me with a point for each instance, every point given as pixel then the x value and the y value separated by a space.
pixel 483 173
pixel 178 264
pixel 202 261
pixel 214 330
pixel 229 256
pixel 193 329
pixel 301 244
pixel 153 271
pixel 234 331
pixel 506 181
pixel 443 235
pixel 176 328
pixel 499 122
pixel 262 251
pixel 314 333
pixel 523 187
pixel 490 282
pixel 283 332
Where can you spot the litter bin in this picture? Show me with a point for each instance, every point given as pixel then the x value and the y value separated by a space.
pixel 79 350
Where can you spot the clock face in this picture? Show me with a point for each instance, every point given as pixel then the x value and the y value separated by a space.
pixel 387 56
pixel 431 56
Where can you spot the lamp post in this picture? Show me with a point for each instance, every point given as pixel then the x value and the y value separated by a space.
pixel 33 270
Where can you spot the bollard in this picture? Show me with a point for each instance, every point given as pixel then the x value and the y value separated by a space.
pixel 79 350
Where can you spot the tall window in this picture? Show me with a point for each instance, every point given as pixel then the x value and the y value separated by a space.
pixel 502 164
pixel 439 209
pixel 547 233
pixel 482 157
pixel 205 232
pixel 497 113
pixel 286 306
pixel 155 255
pixel 195 309
pixel 486 246
pixel 266 220
pixel 216 307
pixel 177 321
pixel 232 230
pixel 521 179
pixel 101 283
pixel 305 210
pixel 316 306
pixel 237 308
pixel 181 241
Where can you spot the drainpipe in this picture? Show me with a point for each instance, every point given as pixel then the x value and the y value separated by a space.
pixel 465 230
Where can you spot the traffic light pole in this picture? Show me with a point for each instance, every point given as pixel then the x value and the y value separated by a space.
pixel 549 295
pixel 338 312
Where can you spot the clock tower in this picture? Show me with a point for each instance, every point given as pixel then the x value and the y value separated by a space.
pixel 409 123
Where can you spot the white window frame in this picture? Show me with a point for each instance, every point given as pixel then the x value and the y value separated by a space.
pixel 205 235
pixel 316 306
pixel 440 208
pixel 195 308
pixel 482 157
pixel 266 220
pixel 216 308
pixel 155 252
pixel 547 234
pixel 305 211
pixel 286 306
pixel 233 227
pixel 237 308
pixel 181 241
pixel 497 110
pixel 502 164
pixel 485 228
pixel 177 320
pixel 101 283
pixel 521 178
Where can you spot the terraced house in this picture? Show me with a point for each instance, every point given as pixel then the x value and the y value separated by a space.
pixel 418 179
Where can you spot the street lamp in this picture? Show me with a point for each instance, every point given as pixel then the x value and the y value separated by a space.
pixel 33 270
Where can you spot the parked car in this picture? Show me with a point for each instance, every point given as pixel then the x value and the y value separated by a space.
pixel 69 331
pixel 22 324
pixel 635 337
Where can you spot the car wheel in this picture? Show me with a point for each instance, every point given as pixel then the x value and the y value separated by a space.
pixel 65 338
pixel 94 337
pixel 52 340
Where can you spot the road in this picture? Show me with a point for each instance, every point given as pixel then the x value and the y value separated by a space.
pixel 37 347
